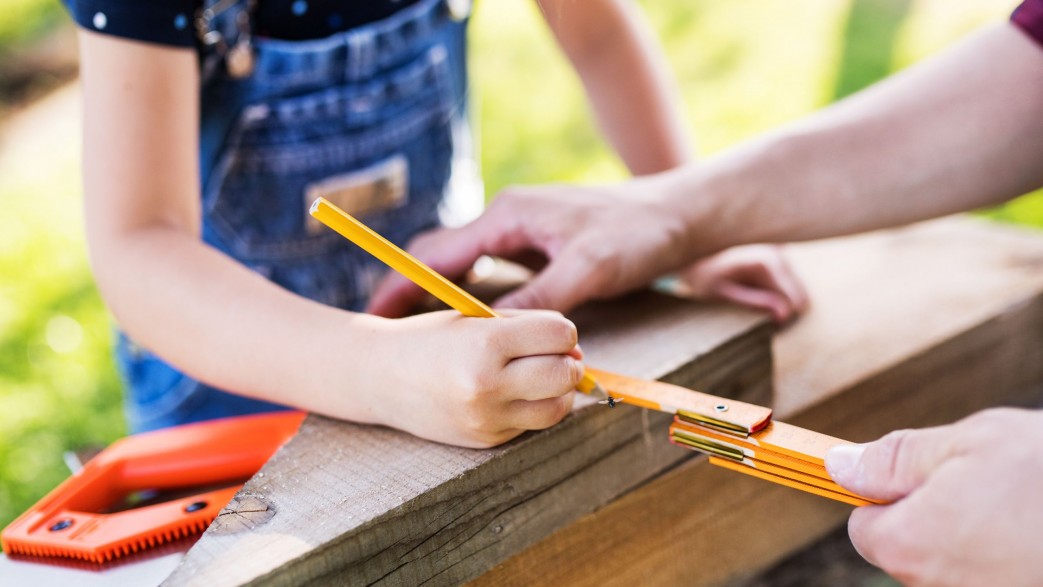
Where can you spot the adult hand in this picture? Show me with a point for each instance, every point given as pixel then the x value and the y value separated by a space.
pixel 586 242
pixel 756 276
pixel 968 505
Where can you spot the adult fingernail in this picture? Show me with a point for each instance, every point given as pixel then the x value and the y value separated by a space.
pixel 842 464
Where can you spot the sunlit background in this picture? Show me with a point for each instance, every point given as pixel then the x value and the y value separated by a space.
pixel 744 66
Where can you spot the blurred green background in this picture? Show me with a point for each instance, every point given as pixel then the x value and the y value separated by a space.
pixel 744 66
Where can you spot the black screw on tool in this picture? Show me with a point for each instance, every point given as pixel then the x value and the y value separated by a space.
pixel 60 525
pixel 195 506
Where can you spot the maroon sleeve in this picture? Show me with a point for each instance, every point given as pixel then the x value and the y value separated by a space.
pixel 1029 18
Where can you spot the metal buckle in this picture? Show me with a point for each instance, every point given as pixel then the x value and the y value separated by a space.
pixel 239 58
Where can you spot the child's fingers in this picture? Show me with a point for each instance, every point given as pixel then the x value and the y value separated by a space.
pixel 542 377
pixel 540 414
pixel 576 353
pixel 535 333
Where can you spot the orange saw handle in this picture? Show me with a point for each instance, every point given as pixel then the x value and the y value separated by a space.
pixel 74 519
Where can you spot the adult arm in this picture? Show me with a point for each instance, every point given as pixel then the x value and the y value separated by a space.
pixel 960 131
pixel 627 82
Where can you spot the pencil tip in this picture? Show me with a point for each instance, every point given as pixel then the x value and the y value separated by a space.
pixel 599 392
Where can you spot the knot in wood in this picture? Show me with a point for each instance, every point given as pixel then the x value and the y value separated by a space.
pixel 244 512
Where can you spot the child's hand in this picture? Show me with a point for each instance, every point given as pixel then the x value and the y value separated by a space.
pixel 756 276
pixel 475 382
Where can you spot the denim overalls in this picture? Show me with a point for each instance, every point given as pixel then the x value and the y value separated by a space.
pixel 366 114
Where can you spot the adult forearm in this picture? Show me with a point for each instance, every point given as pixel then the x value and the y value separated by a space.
pixel 222 324
pixel 627 81
pixel 961 131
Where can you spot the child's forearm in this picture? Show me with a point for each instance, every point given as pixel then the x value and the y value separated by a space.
pixel 193 306
pixel 224 325
pixel 627 80
pixel 959 132
pixel 441 376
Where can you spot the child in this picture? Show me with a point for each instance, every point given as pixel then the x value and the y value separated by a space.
pixel 209 130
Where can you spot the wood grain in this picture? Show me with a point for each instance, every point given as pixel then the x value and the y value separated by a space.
pixel 909 328
pixel 366 505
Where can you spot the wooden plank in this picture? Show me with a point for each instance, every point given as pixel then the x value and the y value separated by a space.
pixel 910 327
pixel 373 505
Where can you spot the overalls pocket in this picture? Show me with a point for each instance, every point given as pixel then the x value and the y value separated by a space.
pixel 383 144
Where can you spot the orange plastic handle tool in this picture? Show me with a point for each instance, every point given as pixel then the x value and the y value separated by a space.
pixel 73 520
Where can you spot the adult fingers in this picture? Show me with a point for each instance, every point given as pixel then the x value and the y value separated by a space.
pixel 864 530
pixel 764 266
pixel 903 537
pixel 777 304
pixel 781 276
pixel 449 252
pixel 568 280
pixel 452 252
pixel 895 465
pixel 394 297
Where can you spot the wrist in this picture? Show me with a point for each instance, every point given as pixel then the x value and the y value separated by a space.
pixel 348 365
pixel 730 200
pixel 697 209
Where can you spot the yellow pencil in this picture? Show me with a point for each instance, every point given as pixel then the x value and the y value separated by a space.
pixel 417 272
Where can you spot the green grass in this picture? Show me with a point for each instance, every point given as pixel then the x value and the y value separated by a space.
pixel 26 20
pixel 58 388
pixel 744 66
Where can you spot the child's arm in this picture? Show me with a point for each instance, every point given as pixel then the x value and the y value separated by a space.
pixel 626 78
pixel 466 381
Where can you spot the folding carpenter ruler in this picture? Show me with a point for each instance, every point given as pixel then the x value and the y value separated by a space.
pixel 737 435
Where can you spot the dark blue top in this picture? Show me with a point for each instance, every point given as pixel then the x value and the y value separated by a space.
pixel 172 22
